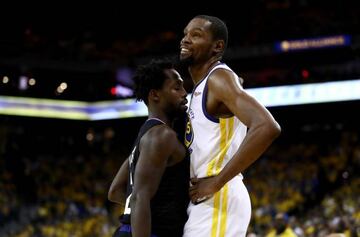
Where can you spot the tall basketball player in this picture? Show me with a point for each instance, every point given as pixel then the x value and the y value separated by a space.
pixel 227 131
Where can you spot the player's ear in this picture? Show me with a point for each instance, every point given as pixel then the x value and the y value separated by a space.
pixel 219 46
pixel 154 95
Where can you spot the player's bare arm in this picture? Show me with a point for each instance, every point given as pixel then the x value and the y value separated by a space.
pixel 226 98
pixel 117 191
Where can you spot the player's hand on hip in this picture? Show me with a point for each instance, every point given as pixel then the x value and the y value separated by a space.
pixel 202 189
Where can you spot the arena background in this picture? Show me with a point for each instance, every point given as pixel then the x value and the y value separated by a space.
pixel 59 63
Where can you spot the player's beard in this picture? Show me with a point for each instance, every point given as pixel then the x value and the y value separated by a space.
pixel 185 62
pixel 182 65
pixel 175 111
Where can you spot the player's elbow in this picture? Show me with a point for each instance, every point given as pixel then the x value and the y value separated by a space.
pixel 112 194
pixel 273 129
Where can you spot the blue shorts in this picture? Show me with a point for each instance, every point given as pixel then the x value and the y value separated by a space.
pixel 124 231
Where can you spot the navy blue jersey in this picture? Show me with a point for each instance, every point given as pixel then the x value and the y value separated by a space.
pixel 169 204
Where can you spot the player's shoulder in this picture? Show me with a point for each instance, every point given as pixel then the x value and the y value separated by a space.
pixel 161 134
pixel 222 79
pixel 224 72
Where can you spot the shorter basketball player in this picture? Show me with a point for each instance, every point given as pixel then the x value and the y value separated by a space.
pixel 155 177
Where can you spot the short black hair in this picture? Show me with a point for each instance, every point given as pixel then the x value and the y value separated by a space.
pixel 218 28
pixel 150 76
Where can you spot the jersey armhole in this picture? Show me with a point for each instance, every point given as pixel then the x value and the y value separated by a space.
pixel 203 102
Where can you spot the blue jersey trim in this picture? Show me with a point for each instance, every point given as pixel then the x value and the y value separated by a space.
pixel 127 229
pixel 204 98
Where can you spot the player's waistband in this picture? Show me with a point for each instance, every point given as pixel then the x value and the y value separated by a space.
pixel 127 228
pixel 240 176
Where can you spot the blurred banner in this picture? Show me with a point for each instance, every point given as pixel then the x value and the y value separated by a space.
pixel 313 43
pixel 268 96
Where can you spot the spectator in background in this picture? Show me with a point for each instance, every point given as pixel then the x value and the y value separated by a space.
pixel 281 227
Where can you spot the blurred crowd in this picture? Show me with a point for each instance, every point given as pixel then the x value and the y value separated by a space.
pixel 313 182
pixel 55 183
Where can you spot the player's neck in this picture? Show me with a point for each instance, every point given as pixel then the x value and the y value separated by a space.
pixel 160 117
pixel 199 71
pixel 157 119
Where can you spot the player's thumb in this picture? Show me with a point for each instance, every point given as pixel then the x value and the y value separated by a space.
pixel 194 180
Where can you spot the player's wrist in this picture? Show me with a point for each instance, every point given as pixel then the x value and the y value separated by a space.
pixel 220 182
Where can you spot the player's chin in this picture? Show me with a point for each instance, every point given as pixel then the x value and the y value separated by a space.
pixel 184 56
pixel 183 108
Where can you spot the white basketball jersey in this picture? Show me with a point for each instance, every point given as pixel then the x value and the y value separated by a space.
pixel 212 142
